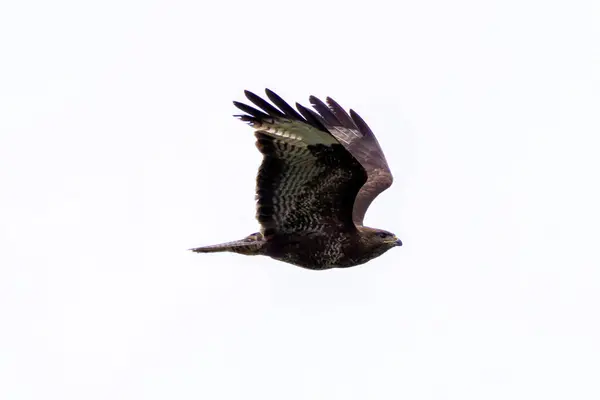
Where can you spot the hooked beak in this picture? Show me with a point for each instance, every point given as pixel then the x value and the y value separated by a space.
pixel 396 241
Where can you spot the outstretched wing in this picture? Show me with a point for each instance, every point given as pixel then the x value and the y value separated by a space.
pixel 307 181
pixel 356 136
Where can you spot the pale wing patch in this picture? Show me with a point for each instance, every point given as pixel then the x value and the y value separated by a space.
pixel 295 132
pixel 344 135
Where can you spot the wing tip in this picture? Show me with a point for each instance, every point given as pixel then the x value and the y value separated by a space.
pixel 361 124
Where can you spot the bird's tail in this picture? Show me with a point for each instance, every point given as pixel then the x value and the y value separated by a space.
pixel 250 245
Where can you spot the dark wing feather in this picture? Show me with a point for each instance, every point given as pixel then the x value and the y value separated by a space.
pixel 341 114
pixel 283 106
pixel 311 117
pixel 250 110
pixel 324 111
pixel 356 136
pixel 269 109
pixel 307 181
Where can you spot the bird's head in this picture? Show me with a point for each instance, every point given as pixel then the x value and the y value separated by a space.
pixel 378 240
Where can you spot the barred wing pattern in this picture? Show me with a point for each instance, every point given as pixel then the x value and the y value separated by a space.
pixel 307 181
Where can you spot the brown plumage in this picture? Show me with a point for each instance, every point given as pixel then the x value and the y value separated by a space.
pixel 320 172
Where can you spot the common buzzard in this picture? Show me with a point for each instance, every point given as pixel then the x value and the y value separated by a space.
pixel 320 172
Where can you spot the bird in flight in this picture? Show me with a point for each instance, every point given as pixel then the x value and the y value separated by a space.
pixel 320 172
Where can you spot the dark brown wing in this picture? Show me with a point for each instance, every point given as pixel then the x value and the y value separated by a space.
pixel 307 181
pixel 352 131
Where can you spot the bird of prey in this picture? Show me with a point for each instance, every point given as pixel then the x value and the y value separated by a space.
pixel 320 172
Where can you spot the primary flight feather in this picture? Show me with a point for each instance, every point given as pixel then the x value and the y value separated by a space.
pixel 320 172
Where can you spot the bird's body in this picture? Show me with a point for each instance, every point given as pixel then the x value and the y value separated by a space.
pixel 319 174
pixel 317 250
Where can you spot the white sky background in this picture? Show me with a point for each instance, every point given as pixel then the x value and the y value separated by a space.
pixel 118 152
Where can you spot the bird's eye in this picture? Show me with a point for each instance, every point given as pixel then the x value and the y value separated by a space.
pixel 383 234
